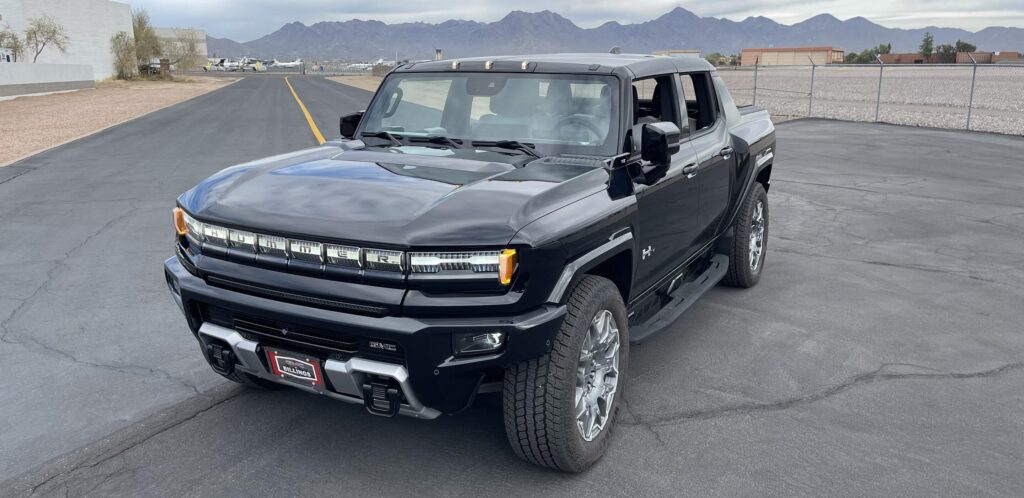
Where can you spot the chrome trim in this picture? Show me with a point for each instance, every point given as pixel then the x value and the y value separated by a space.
pixel 765 158
pixel 346 376
pixel 574 266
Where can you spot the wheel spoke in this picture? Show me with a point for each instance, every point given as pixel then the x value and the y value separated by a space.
pixel 597 374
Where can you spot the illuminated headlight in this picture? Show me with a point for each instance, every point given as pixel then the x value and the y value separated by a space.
pixel 436 262
pixel 215 235
pixel 303 250
pixel 342 255
pixel 503 263
pixel 240 239
pixel 272 246
pixel 195 229
pixel 380 259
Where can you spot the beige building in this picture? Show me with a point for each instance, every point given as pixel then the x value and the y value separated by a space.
pixel 791 56
pixel 682 52
pixel 170 35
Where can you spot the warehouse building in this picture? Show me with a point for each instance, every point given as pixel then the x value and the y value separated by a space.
pixel 89 24
pixel 791 56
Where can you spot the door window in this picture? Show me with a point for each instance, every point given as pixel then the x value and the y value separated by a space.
pixel 701 105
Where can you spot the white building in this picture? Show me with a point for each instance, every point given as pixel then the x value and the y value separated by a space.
pixel 89 23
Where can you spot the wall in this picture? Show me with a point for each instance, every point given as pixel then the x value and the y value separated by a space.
pixel 20 79
pixel 167 35
pixel 89 23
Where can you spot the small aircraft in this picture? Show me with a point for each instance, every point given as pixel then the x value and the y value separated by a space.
pixel 364 66
pixel 295 63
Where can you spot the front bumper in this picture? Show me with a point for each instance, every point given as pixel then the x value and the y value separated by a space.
pixel 432 379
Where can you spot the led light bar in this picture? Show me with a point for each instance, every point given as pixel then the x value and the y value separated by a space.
pixel 215 235
pixel 342 255
pixel 272 245
pixel 380 259
pixel 305 250
pixel 240 239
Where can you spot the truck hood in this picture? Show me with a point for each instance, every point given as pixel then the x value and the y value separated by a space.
pixel 389 197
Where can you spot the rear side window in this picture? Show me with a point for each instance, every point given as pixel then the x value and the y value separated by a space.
pixel 701 103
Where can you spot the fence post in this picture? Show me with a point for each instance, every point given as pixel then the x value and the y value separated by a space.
pixel 810 102
pixel 756 60
pixel 878 99
pixel 970 100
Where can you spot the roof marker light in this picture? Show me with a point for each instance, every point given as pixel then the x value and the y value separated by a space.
pixel 524 65
pixel 455 64
pixel 488 65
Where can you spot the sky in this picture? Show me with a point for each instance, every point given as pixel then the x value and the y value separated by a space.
pixel 245 20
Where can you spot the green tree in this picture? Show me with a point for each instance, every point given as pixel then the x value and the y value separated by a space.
pixel 11 42
pixel 927 45
pixel 123 47
pixel 45 31
pixel 715 59
pixel 962 46
pixel 147 45
pixel 946 53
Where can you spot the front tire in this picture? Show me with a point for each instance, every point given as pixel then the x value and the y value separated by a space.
pixel 750 240
pixel 560 409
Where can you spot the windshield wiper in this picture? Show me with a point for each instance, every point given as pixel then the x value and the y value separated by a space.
pixel 508 144
pixel 384 135
pixel 440 140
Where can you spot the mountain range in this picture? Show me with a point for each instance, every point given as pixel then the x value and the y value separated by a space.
pixel 541 32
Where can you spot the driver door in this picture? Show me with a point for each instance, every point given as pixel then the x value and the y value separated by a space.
pixel 669 213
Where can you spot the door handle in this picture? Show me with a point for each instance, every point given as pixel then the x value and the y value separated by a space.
pixel 690 169
pixel 725 152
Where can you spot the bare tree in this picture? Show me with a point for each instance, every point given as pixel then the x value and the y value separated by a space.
pixel 182 50
pixel 45 31
pixel 11 42
pixel 123 48
pixel 147 45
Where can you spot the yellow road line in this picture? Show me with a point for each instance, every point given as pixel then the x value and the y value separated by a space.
pixel 309 119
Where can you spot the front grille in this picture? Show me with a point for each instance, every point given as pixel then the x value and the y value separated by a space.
pixel 292 297
pixel 302 339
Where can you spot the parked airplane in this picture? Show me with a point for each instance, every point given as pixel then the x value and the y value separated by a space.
pixel 364 66
pixel 295 63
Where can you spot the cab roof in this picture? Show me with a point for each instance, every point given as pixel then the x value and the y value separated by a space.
pixel 637 65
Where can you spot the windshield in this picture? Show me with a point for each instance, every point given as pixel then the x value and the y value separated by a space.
pixel 553 113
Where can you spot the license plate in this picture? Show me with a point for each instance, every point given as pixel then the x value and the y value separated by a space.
pixel 295 367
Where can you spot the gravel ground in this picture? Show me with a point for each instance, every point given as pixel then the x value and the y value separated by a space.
pixel 364 81
pixel 918 96
pixel 32 124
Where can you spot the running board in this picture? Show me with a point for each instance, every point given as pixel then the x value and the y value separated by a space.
pixel 682 299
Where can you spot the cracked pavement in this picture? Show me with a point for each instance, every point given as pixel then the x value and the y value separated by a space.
pixel 882 352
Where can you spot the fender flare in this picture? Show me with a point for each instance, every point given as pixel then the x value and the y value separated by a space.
pixel 618 243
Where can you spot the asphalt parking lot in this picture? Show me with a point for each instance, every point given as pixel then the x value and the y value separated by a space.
pixel 881 354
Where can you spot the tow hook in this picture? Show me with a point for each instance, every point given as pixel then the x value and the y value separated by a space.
pixel 381 396
pixel 222 359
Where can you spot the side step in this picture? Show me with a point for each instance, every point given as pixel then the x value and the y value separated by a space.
pixel 682 299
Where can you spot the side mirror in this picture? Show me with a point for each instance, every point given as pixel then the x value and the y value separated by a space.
pixel 349 123
pixel 659 141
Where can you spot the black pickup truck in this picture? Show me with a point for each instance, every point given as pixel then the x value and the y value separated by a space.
pixel 490 225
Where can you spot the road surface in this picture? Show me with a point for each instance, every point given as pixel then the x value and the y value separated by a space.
pixel 882 352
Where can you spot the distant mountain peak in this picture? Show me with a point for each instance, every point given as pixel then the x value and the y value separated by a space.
pixel 546 31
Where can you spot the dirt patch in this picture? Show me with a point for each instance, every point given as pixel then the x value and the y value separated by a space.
pixel 33 124
pixel 364 81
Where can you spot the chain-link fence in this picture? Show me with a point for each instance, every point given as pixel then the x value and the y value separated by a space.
pixel 956 96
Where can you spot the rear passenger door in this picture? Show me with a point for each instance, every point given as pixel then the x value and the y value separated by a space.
pixel 716 159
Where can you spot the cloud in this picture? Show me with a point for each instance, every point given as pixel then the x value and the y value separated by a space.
pixel 244 20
